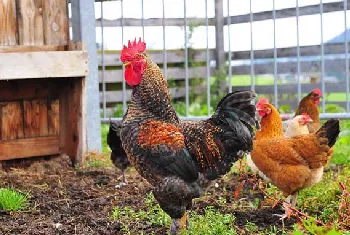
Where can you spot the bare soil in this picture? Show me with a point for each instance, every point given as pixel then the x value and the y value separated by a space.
pixel 64 200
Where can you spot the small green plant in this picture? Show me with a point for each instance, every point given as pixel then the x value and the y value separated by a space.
pixel 251 227
pixel 312 228
pixel 212 222
pixel 153 215
pixel 11 200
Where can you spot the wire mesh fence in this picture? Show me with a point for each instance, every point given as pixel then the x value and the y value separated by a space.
pixel 280 49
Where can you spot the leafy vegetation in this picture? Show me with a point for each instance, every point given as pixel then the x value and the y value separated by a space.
pixel 11 200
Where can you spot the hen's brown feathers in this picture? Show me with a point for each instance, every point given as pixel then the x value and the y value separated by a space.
pixel 288 161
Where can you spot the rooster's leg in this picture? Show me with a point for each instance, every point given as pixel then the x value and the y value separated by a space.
pixel 124 180
pixel 123 183
pixel 178 225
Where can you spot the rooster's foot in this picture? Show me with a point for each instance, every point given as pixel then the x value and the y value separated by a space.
pixel 121 184
pixel 178 225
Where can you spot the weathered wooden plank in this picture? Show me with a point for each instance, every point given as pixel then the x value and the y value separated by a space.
pixel 56 25
pixel 31 147
pixel 53 116
pixel 11 117
pixel 35 118
pixel 289 12
pixel 114 76
pixel 292 88
pixel 238 19
pixel 43 64
pixel 154 22
pixel 13 49
pixel 30 22
pixel 315 50
pixel 291 67
pixel 117 96
pixel 112 58
pixel 8 23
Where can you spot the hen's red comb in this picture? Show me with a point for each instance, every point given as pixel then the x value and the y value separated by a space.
pixel 261 102
pixel 317 91
pixel 129 51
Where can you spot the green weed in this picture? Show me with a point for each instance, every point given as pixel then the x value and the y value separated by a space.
pixel 11 200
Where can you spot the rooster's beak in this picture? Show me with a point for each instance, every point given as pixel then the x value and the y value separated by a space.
pixel 127 63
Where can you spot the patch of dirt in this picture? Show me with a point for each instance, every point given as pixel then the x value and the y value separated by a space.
pixel 64 200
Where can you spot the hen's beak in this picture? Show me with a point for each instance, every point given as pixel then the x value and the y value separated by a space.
pixel 127 63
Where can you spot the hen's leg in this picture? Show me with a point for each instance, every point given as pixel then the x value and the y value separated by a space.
pixel 287 206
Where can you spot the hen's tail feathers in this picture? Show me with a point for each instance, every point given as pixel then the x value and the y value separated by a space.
pixel 330 130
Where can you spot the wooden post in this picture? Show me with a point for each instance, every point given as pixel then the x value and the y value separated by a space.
pixel 8 24
pixel 219 34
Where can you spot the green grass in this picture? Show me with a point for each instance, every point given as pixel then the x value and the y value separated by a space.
pixel 211 222
pixel 11 200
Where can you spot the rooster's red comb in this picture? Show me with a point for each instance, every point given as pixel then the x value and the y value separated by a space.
pixel 261 102
pixel 317 91
pixel 129 51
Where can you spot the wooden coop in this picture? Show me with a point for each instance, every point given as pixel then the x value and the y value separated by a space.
pixel 42 77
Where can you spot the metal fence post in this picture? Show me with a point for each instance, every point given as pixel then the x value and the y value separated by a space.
pixel 219 34
pixel 83 26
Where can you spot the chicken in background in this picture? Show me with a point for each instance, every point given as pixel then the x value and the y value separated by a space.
pixel 118 155
pixel 309 105
pixel 298 125
pixel 180 158
pixel 291 164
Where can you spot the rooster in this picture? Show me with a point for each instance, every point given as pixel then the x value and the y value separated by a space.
pixel 180 158
pixel 309 105
pixel 291 164
pixel 118 155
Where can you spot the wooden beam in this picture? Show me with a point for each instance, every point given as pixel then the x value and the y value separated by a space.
pixel 31 147
pixel 8 23
pixel 315 50
pixel 30 22
pixel 239 19
pixel 153 22
pixel 289 12
pixel 56 25
pixel 112 58
pixel 12 49
pixel 291 67
pixel 116 76
pixel 117 96
pixel 43 64
pixel 334 87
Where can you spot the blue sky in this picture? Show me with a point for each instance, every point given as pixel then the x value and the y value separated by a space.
pixel 309 31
